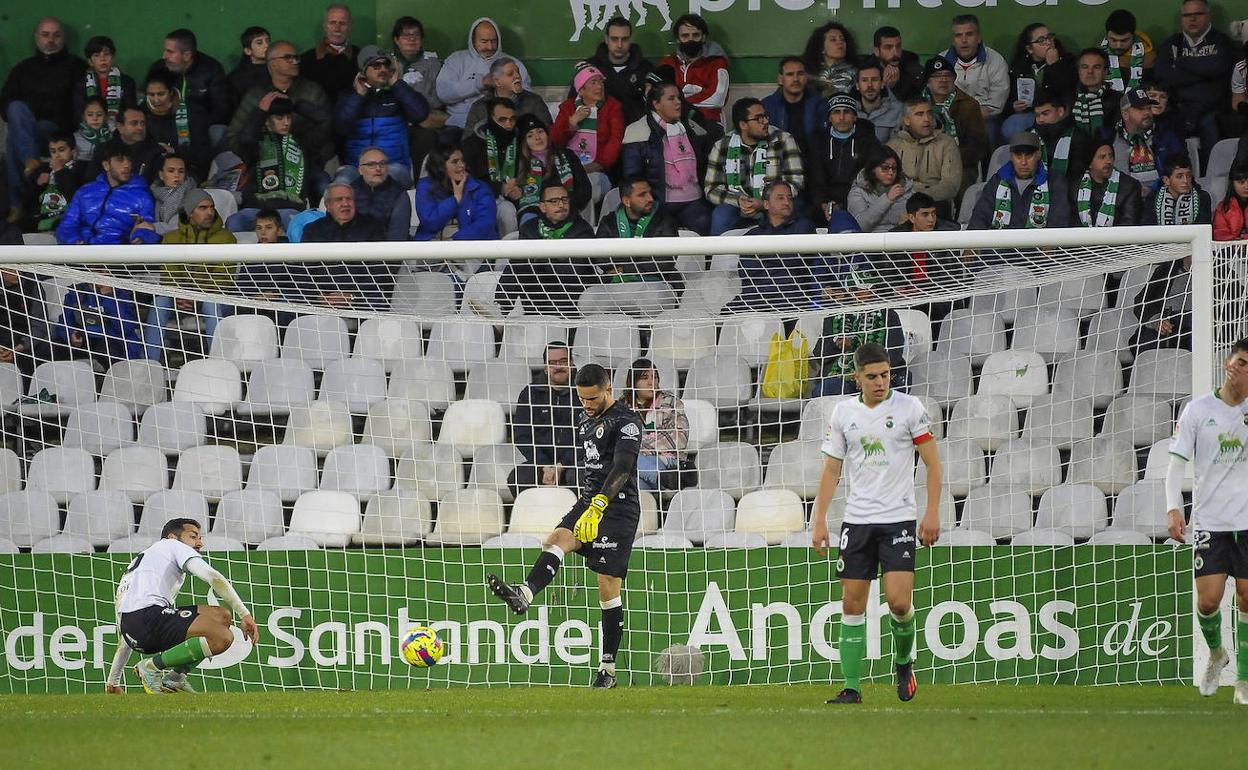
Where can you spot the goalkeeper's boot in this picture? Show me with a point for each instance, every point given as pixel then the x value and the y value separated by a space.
pixel 906 684
pixel 511 595
pixel 1241 693
pixel 847 696
pixel 1213 672
pixel 175 681
pixel 152 678
pixel 603 681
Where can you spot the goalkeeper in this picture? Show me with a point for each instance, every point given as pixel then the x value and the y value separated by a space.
pixel 602 524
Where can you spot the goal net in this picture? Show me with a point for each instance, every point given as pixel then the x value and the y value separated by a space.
pixel 365 432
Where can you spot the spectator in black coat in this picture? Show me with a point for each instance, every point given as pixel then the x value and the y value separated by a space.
pixel 349 285
pixel 543 426
pixel 639 215
pixel 620 60
pixel 50 186
pixel 332 63
pixel 1195 64
pixel 838 156
pixel 25 337
pixel 252 69
pixel 549 286
pixel 167 120
pixel 199 79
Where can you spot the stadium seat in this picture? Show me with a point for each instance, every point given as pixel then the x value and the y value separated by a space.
pixel 214 385
pixel 1049 331
pixel 8 546
pixel 681 340
pixel 722 380
pixel 358 469
pixel 286 471
pixel 635 298
pixel 72 382
pixel 1105 462
pixel 967 207
pixel 1142 507
pixel 491 466
pixel 801 539
pixel 1001 511
pixel 730 466
pixel 1004 304
pixel 707 293
pixel 736 540
pixel 525 338
pixel 989 420
pixel 291 542
pixel 62 472
pixel 218 543
pixel 427 381
pixel 943 378
pixel 63 543
pixel 975 336
pixel 100 517
pixel 1141 420
pixel 1117 536
pixel 648 521
pixel 461 342
pixel 1221 156
pixel 1111 331
pixel 395 517
pixel 772 513
pixel 1155 467
pixel 513 540
pixel 473 423
pixel 433 469
pixel 396 425
pixel 1131 284
pixel 960 536
pixel 749 338
pixel 316 340
pixel 135 385
pixel 795 466
pixel 611 340
pixel 10 471
pixel 389 340
pixel 1020 374
pixel 1079 510
pixel 245 340
pixel 1034 466
pixel 28 516
pixel 1081 296
pixel 703 424
pixel 480 295
pixel 815 416
pixel 537 511
pixel 138 471
pixel 328 518
pixel 835 514
pixel 697 514
pixel 1059 421
pixel 320 426
pixel 171 504
pixel 273 387
pixel 210 470
pixel 962 464
pixel 1165 373
pixel 10 383
pixel 356 383
pixel 99 427
pixel 918 330
pixel 662 542
pixel 1088 374
pixel 423 293
pixel 250 516
pixel 500 380
pixel 1042 538
pixel 947 509
pixel 467 517
pixel 130 544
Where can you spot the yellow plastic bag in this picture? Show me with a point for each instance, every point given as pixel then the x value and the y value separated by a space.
pixel 788 366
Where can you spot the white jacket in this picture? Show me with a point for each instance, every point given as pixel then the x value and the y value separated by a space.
pixel 986 77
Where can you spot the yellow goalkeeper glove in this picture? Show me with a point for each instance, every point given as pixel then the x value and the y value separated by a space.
pixel 586 529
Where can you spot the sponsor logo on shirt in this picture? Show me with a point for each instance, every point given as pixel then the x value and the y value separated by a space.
pixel 872 446
pixel 1230 449
pixel 630 430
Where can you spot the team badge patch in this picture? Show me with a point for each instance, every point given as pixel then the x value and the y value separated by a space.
pixel 598 432
pixel 888 423
pixel 630 430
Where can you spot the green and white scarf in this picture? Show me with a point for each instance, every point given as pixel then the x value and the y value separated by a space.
pixel 1176 210
pixel 181 117
pixel 943 110
pixel 95 136
pixel 1060 161
pixel 1004 203
pixel 1114 76
pixel 530 190
pixel 52 205
pixel 552 233
pixel 1140 156
pixel 280 170
pixel 627 229
pixel 1089 110
pixel 504 168
pixel 590 123
pixel 112 92
pixel 1108 209
pixel 758 173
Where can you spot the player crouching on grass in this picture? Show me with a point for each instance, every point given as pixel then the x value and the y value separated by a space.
pixel 177 638
pixel 1212 432
pixel 874 437
pixel 603 522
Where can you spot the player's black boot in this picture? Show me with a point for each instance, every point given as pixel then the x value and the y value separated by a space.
pixel 847 696
pixel 510 595
pixel 906 684
pixel 603 681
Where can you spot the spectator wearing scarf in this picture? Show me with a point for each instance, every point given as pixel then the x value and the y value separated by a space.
pixel 549 286
pixel 591 125
pixel 1130 51
pixel 1096 104
pixel 639 215
pixel 536 161
pixel 1178 200
pixel 1067 150
pixel 958 116
pixel 1105 196
pixel 1140 148
pixel 93 131
pixel 492 156
pixel 103 79
pixel 280 170
pixel 1022 194
pixel 742 164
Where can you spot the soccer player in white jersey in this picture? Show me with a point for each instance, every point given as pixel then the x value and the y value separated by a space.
pixel 874 437
pixel 176 638
pixel 1212 433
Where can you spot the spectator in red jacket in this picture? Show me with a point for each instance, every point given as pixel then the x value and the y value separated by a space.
pixel 1230 218
pixel 700 65
pixel 591 126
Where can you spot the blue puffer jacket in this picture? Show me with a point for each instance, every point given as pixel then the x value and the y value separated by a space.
pixel 474 213
pixel 109 317
pixel 102 214
pixel 380 119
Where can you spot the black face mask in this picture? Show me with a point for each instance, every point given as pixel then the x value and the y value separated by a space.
pixel 690 48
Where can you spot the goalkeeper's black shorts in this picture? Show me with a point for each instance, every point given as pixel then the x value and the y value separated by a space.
pixel 608 554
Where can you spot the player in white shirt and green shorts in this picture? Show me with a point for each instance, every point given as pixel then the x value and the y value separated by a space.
pixel 1213 433
pixel 874 436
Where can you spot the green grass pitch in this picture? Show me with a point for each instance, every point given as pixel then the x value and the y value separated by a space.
pixel 967 726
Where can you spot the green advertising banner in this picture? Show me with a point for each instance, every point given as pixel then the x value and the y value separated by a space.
pixel 330 619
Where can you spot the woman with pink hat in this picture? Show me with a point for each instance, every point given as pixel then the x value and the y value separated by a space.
pixel 591 126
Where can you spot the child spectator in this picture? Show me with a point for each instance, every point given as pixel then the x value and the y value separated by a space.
pixel 50 186
pixel 94 130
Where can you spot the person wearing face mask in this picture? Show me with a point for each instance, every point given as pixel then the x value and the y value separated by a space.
pixel 700 66
pixel 839 155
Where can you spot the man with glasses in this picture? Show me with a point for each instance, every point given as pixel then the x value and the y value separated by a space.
pixel 312 117
pixel 1195 64
pixel 380 195
pixel 742 164
pixel 549 286
pixel 419 68
pixel 377 111
pixel 543 426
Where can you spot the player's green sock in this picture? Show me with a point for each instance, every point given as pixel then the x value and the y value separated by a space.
pixel 1241 659
pixel 903 636
pixel 853 648
pixel 191 651
pixel 1211 628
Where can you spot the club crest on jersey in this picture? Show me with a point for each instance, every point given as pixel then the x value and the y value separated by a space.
pixel 598 433
pixel 888 422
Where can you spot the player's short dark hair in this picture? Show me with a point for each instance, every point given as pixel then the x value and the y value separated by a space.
pixel 99 43
pixel 789 60
pixel 175 527
pixel 250 34
pixel 1239 346
pixel 627 184
pixel 741 110
pixel 1120 22
pixel 618 21
pixel 883 32
pixel 1174 162
pixel 270 215
pixel 870 353
pixel 592 376
pixel 184 39
pixel 919 201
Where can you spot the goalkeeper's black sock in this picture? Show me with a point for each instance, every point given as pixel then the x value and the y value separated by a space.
pixel 544 570
pixel 612 632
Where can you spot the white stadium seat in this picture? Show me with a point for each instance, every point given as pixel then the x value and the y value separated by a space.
pixel 795 466
pixel 328 518
pixel 500 380
pixel 1156 466
pixel 250 516
pixel 291 542
pixel 62 472
pixel 63 543
pixel 397 425
pixel 220 543
pixel 433 469
pixel 1049 331
pixel 319 426
pixel 1060 421
pixel 611 340
pixel 816 413
pixel 172 428
pixel 917 328
pixel 1043 538
pixel 316 340
pixel 72 382
pixel 138 471
pixel 99 428
pixel 724 381
pixel 135 384
pixel 1106 463
pixel 662 541
pixel 988 419
pixel 1165 373
pixel 946 509
pixel 356 383
pixel 423 292
pixel 749 338
pixel 697 514
pixel 1088 375
pixel 389 340
pixel 963 332
pixel 772 513
pixel 943 378
pixel 28 516
pixel 101 517
pixel 513 540
pixel 10 471
pixel 10 383
pixel 1079 510
pixel 525 338
pixel 171 504
pixel 273 387
pixel 1117 536
pixel 395 517
pixel 960 536
pixel 537 511
pixel 479 294
pixel 358 469
pixel 703 424
pixel 1141 420
pixel 210 470
pixel 1033 466
pixel 245 340
pixel 681 341
pixel 491 465
pixel 1081 296
pixel 1005 303
pixel 730 466
pixel 286 471
pixel 1020 374
pixel 214 385
pixel 736 540
pixel 1000 511
pixel 462 342
pixel 427 381
pixel 1111 332
pixel 467 517
pixel 471 424
pixel 1142 507
pixel 962 465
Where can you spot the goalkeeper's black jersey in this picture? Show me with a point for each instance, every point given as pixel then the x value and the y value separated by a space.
pixel 599 439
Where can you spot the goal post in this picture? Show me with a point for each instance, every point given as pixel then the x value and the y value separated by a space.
pixel 353 438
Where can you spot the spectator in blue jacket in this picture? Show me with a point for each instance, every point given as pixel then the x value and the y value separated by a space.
pixel 794 107
pixel 451 195
pixel 101 321
pixel 116 208
pixel 377 111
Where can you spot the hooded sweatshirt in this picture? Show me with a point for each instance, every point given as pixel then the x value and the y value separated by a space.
pixel 459 81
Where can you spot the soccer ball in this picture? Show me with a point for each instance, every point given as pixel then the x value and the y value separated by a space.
pixel 421 647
